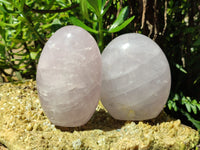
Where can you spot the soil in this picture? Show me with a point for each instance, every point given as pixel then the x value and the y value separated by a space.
pixel 23 125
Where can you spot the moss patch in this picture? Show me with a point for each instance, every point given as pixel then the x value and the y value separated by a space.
pixel 23 125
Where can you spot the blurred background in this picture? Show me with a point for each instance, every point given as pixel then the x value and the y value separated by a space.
pixel 25 26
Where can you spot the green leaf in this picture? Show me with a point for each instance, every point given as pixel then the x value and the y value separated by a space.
pixel 194 109
pixel 56 24
pixel 5 2
pixel 176 97
pixel 174 106
pixel 51 18
pixel 104 8
pixel 196 123
pixel 7 10
pixel 61 2
pixel 56 21
pixel 2 9
pixel 103 4
pixel 79 23
pixel 120 19
pixel 94 5
pixel 3 24
pixel 99 5
pixel 181 68
pixel 21 6
pixel 122 26
pixel 33 55
pixel 45 26
pixel 198 106
pixel 195 103
pixel 84 8
pixel 188 106
pixel 169 104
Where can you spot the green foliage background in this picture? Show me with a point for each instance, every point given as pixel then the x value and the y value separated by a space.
pixel 25 26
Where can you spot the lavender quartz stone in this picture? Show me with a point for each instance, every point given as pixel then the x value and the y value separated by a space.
pixel 136 78
pixel 69 77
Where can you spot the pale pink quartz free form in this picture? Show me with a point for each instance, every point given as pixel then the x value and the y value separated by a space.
pixel 136 78
pixel 69 77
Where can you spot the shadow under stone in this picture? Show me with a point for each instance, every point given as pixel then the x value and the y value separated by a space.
pixel 102 120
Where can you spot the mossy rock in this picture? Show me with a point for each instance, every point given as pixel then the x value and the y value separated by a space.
pixel 23 125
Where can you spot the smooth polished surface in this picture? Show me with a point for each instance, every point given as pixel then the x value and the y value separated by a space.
pixel 69 77
pixel 136 78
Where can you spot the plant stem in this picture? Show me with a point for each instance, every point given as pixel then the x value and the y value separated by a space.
pixel 101 42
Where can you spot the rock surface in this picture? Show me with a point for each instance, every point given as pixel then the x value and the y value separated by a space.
pixel 23 125
pixel 136 78
pixel 69 77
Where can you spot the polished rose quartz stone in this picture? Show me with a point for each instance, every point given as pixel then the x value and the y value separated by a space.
pixel 136 78
pixel 69 77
